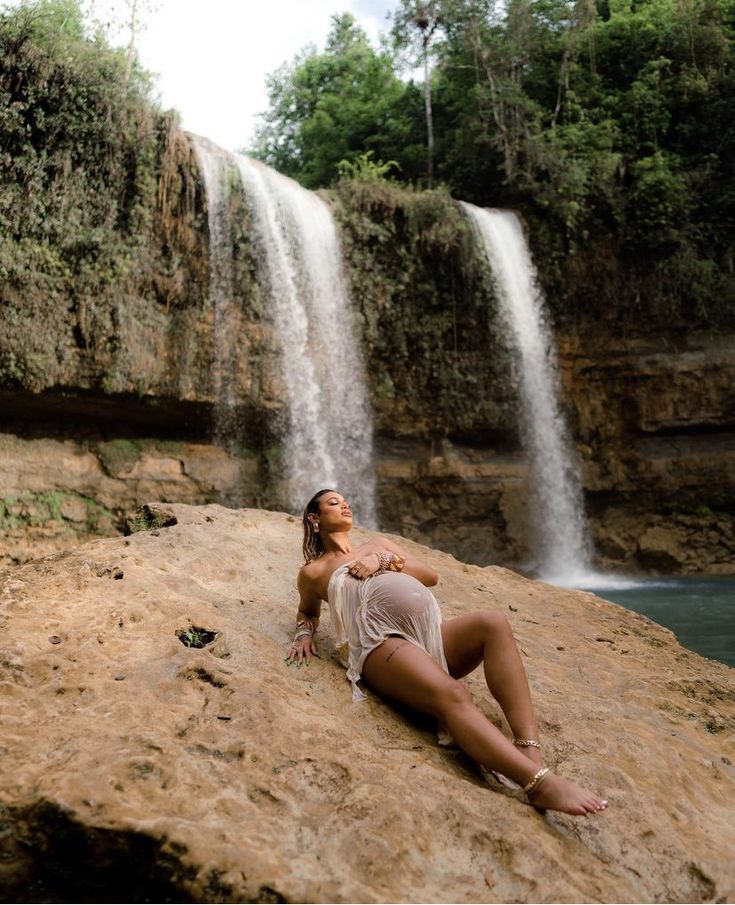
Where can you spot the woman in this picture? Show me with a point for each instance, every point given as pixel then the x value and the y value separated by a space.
pixel 389 632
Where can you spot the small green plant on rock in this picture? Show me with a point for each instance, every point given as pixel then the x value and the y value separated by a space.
pixel 147 518
pixel 194 636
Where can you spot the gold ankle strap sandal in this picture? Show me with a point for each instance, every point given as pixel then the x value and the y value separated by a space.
pixel 526 743
pixel 538 778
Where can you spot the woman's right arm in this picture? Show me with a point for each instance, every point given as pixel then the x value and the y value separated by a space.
pixel 307 620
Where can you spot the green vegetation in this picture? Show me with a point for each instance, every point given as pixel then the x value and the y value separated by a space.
pixel 610 124
pixel 78 149
pixel 195 636
pixel 90 201
pixel 365 169
pixel 427 307
pixel 333 107
pixel 147 518
pixel 73 511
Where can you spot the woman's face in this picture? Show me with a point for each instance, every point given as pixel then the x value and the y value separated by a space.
pixel 335 513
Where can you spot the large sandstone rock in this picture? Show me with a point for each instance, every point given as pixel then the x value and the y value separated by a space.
pixel 136 768
pixel 659 547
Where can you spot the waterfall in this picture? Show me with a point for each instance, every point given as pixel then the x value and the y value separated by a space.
pixel 563 549
pixel 218 172
pixel 330 419
pixel 330 434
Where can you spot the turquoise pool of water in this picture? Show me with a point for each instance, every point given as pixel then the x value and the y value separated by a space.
pixel 699 610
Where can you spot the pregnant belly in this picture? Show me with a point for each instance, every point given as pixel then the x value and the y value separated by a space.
pixel 400 598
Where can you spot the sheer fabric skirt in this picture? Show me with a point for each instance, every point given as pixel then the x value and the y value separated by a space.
pixel 365 613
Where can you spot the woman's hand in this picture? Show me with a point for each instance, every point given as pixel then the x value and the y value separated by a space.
pixel 412 565
pixel 301 651
pixel 364 568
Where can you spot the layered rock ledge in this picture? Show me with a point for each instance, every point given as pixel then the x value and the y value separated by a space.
pixel 137 768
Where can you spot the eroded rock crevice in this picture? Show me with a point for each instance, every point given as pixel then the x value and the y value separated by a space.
pixel 53 854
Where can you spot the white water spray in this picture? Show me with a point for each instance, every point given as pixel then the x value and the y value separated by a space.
pixel 563 549
pixel 330 438
pixel 218 172
pixel 330 442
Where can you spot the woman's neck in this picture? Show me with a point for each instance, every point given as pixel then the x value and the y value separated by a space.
pixel 338 543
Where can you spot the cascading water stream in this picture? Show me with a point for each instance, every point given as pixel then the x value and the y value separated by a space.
pixel 330 436
pixel 218 172
pixel 563 549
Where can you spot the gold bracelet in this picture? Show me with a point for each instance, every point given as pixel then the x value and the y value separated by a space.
pixel 526 743
pixel 532 785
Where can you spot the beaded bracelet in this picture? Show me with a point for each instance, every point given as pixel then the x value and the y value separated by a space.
pixel 304 629
pixel 526 743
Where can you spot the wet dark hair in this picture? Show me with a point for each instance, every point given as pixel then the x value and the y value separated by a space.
pixel 313 545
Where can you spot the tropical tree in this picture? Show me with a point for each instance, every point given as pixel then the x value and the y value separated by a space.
pixel 415 23
pixel 333 106
pixel 604 120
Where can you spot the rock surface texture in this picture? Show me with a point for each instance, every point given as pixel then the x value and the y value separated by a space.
pixel 58 493
pixel 655 425
pixel 136 768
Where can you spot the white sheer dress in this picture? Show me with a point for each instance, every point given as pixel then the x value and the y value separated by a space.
pixel 366 612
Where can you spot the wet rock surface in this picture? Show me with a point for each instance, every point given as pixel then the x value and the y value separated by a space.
pixel 135 767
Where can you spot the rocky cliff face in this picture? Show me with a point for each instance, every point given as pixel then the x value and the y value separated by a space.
pixel 655 421
pixel 226 777
pixel 108 397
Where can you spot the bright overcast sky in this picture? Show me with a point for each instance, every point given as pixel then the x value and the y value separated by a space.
pixel 212 56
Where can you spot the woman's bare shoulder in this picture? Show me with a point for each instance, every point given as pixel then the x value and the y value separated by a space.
pixel 311 571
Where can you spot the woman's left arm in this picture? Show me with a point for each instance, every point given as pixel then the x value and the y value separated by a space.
pixel 412 565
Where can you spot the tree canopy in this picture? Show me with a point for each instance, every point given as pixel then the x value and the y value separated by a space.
pixel 611 118
pixel 333 106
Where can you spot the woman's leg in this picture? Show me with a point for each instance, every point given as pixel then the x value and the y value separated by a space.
pixel 398 669
pixel 487 638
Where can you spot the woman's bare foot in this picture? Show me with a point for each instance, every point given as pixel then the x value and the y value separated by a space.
pixel 557 794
